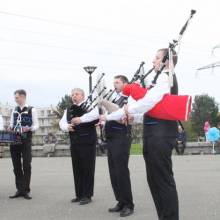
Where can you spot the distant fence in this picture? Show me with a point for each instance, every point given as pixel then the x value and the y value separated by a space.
pixel 64 151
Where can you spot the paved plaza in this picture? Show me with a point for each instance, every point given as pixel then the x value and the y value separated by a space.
pixel 197 177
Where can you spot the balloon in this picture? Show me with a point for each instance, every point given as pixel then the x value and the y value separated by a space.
pixel 213 134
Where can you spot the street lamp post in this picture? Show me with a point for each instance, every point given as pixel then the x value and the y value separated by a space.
pixel 90 70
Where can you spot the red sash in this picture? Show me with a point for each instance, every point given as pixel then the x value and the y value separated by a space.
pixel 171 107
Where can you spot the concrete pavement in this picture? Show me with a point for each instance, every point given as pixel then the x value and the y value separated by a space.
pixel 197 177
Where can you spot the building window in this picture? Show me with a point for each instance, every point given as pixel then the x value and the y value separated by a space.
pixel 42 112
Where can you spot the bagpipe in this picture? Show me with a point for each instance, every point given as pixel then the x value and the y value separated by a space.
pixel 171 107
pixel 90 100
pixel 93 100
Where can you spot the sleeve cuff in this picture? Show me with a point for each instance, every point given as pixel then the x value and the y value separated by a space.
pixel 108 118
pixel 82 119
pixel 115 116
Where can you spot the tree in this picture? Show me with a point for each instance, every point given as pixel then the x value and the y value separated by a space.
pixel 58 112
pixel 62 105
pixel 205 108
pixel 190 132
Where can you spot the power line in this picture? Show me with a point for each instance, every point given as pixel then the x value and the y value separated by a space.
pixel 74 25
pixel 20 59
pixel 80 26
pixel 65 23
pixel 48 20
pixel 74 49
pixel 37 66
pixel 67 48
pixel 212 65
pixel 131 44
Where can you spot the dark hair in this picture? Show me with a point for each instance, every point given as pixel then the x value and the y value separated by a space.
pixel 175 57
pixel 123 78
pixel 20 92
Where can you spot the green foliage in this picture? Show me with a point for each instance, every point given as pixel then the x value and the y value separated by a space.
pixel 136 149
pixel 137 133
pixel 190 132
pixel 204 109
pixel 62 105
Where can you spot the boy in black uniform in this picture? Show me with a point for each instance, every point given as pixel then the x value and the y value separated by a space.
pixel 23 120
pixel 83 148
pixel 118 138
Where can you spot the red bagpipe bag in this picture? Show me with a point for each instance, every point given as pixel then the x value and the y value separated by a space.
pixel 171 107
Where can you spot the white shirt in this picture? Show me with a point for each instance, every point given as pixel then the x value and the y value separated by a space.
pixel 35 123
pixel 152 97
pixel 63 122
pixel 138 118
pixel 94 114
pixel 88 117
pixel 1 123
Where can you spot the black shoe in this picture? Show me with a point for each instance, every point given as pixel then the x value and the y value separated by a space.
pixel 16 195
pixel 85 201
pixel 75 200
pixel 117 208
pixel 126 212
pixel 27 196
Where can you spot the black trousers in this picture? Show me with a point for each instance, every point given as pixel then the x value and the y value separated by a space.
pixel 21 159
pixel 157 154
pixel 83 163
pixel 118 157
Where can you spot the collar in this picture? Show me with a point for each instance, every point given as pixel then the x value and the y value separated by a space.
pixel 22 107
pixel 117 97
pixel 79 103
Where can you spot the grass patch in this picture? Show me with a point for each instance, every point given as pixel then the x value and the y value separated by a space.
pixel 136 149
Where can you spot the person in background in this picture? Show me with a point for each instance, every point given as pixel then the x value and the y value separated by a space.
pixel 206 129
pixel 181 140
pixel 50 142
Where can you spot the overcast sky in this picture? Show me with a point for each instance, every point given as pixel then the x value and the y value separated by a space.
pixel 46 55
